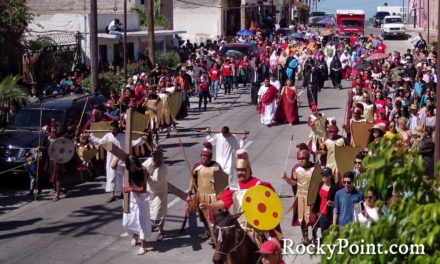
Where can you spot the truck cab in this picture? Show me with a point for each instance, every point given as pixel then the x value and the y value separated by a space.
pixel 378 18
pixel 350 22
pixel 393 26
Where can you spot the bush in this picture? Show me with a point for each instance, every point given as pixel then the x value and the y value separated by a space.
pixel 108 81
pixel 168 59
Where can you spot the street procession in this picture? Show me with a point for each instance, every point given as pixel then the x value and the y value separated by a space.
pixel 275 132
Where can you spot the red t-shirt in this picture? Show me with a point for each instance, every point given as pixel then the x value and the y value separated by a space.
pixel 226 69
pixel 214 74
pixel 381 48
pixel 227 196
pixel 323 206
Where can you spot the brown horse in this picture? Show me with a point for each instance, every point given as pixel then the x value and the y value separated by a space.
pixel 232 244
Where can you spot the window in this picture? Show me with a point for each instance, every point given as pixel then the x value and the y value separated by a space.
pixel 351 23
pixel 393 20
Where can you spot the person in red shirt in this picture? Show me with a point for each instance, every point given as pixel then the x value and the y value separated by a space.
pixel 353 39
pixel 381 47
pixel 227 76
pixel 214 75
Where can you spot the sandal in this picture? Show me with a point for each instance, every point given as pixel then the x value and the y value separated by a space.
pixel 133 242
pixel 160 237
pixel 141 251
pixel 206 235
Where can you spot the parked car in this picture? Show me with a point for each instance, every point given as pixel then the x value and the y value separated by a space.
pixel 393 26
pixel 239 49
pixel 378 18
pixel 23 134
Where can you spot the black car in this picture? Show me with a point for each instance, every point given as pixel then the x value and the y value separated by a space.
pixel 378 18
pixel 23 134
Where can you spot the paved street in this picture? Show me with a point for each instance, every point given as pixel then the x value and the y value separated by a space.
pixel 82 228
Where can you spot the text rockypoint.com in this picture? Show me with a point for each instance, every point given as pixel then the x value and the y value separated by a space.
pixel 342 244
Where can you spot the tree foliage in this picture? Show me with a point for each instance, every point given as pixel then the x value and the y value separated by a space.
pixel 11 92
pixel 412 218
pixel 159 20
pixel 14 19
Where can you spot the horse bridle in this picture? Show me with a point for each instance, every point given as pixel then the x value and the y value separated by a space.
pixel 219 239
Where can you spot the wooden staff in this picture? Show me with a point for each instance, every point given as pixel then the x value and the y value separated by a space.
pixel 106 130
pixel 285 164
pixel 209 130
pixel 39 153
pixel 80 120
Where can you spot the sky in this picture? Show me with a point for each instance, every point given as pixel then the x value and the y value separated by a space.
pixel 369 6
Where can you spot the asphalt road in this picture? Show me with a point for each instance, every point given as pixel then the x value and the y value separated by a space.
pixel 82 228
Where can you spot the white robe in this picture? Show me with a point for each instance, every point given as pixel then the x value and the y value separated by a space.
pixel 138 222
pixel 114 178
pixel 157 187
pixel 225 149
pixel 269 110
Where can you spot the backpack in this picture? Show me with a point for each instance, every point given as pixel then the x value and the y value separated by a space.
pixel 107 31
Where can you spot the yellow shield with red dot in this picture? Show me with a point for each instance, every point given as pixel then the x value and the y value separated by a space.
pixel 262 207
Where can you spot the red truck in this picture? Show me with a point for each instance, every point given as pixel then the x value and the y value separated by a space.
pixel 349 22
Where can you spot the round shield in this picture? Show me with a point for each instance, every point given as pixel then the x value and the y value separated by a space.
pixel 262 207
pixel 61 150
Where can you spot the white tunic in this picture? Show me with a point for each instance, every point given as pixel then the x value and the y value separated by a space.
pixel 138 222
pixel 269 110
pixel 157 187
pixel 114 178
pixel 225 150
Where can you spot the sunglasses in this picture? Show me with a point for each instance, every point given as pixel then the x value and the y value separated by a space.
pixel 370 197
pixel 347 182
pixel 357 162
pixel 302 158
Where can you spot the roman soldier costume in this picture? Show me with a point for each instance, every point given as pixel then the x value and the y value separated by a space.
pixel 329 148
pixel 317 123
pixel 302 214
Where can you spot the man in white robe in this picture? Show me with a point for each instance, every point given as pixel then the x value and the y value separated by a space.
pixel 267 101
pixel 114 167
pixel 226 146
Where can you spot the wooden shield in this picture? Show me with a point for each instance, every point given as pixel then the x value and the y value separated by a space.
pixel 360 133
pixel 61 150
pixel 314 185
pixel 103 125
pixel 221 181
pixel 345 157
pixel 140 122
pixel 175 101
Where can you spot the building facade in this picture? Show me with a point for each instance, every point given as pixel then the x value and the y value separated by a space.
pixel 68 17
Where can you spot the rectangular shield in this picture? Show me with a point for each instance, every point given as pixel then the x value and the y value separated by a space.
pixel 345 157
pixel 314 185
pixel 103 125
pixel 360 133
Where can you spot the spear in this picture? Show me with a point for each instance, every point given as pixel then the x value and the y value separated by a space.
pixel 285 164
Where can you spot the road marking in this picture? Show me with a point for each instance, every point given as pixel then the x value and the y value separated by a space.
pixel 248 144
pixel 173 202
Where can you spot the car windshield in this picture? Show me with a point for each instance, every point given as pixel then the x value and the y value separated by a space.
pixel 317 14
pixel 351 23
pixel 393 20
pixel 30 118
pixel 381 15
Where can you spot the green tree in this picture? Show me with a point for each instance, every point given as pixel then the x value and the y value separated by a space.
pixel 10 91
pixel 411 219
pixel 14 19
pixel 159 20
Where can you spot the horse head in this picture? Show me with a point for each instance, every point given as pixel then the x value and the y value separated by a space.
pixel 227 236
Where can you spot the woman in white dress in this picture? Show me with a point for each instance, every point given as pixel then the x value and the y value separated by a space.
pixel 137 221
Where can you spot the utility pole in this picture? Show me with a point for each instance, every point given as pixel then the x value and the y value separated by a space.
pixel 437 102
pixel 427 38
pixel 150 15
pixel 125 40
pixel 403 11
pixel 94 44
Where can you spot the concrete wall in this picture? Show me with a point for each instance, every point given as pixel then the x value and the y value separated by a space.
pixel 77 6
pixel 201 21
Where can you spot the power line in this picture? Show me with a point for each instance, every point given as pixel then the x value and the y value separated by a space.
pixel 197 4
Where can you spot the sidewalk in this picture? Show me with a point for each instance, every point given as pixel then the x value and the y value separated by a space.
pixel 413 31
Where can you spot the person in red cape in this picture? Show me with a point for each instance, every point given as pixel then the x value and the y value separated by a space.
pixel 267 100
pixel 229 199
pixel 287 110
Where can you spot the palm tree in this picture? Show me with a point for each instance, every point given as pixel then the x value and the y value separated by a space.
pixel 159 20
pixel 11 92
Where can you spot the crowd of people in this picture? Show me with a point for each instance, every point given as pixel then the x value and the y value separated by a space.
pixel 391 91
